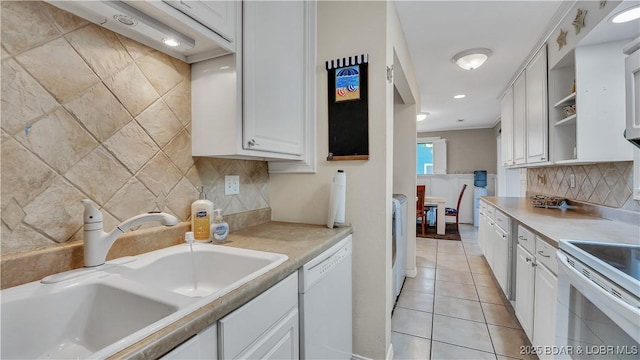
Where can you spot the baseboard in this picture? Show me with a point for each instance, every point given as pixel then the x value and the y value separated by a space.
pixel 358 357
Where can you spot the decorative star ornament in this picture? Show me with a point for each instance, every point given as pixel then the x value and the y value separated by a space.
pixel 578 22
pixel 602 4
pixel 562 38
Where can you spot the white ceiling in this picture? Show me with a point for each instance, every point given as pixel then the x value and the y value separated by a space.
pixel 437 30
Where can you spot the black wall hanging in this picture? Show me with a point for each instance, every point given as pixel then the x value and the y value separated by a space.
pixel 348 102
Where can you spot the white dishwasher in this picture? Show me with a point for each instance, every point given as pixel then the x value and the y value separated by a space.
pixel 325 304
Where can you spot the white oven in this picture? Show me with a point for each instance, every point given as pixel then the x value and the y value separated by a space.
pixel 598 303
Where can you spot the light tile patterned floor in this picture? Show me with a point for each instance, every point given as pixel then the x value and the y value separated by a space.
pixel 453 308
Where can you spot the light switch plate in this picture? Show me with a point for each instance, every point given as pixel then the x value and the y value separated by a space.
pixel 232 184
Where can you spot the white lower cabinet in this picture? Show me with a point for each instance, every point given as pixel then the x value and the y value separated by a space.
pixel 494 237
pixel 536 289
pixel 266 327
pixel 203 345
pixel 525 284
pixel 544 309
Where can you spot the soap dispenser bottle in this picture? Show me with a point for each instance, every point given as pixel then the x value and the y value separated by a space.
pixel 201 216
pixel 220 228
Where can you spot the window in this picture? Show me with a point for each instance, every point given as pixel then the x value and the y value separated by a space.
pixel 431 156
pixel 424 158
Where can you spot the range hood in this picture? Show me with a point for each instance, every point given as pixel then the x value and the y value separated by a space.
pixel 155 23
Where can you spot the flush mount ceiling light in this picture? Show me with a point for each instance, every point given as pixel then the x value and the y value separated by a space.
pixel 626 15
pixel 459 96
pixel 472 58
pixel 422 116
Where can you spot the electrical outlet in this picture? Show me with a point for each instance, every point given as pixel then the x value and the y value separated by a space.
pixel 232 184
pixel 572 180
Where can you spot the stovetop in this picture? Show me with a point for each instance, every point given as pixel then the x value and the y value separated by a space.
pixel 620 263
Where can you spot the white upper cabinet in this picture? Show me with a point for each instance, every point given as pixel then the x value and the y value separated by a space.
pixel 524 115
pixel 507 128
pixel 259 103
pixel 218 16
pixel 520 120
pixel 274 76
pixel 537 119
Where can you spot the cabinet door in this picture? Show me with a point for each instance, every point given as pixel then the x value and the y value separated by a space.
pixel 274 76
pixel 218 16
pixel 537 114
pixel 544 313
pixel 519 120
pixel 482 229
pixel 525 283
pixel 281 342
pixel 252 323
pixel 489 243
pixel 507 128
pixel 500 256
pixel 203 345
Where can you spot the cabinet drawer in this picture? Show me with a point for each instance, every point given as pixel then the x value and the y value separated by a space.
pixel 526 239
pixel 491 212
pixel 483 206
pixel 503 221
pixel 246 324
pixel 546 254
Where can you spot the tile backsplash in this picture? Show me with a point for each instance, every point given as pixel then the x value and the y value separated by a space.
pixel 87 113
pixel 607 184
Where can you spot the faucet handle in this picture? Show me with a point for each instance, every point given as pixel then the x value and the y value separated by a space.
pixel 92 214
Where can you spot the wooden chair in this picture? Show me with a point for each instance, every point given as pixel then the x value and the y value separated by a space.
pixel 455 212
pixel 420 214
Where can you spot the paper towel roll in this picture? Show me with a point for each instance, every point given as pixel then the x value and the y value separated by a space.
pixel 337 199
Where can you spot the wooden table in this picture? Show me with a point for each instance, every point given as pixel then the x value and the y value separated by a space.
pixel 440 217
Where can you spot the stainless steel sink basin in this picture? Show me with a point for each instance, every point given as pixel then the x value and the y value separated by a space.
pixel 95 312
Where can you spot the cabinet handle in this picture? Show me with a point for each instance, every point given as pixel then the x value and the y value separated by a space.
pixel 542 158
pixel 523 238
pixel 504 236
pixel 542 253
pixel 252 142
pixel 533 264
pixel 528 259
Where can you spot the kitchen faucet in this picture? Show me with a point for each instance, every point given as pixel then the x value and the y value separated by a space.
pixel 97 242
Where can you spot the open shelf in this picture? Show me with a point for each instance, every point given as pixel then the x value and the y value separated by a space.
pixel 567 100
pixel 569 120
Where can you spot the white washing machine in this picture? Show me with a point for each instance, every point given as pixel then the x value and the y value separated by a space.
pixel 399 238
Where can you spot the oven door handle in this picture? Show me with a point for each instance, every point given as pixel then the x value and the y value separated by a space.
pixel 626 316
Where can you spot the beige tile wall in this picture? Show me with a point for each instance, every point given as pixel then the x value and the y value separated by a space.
pixel 606 184
pixel 87 113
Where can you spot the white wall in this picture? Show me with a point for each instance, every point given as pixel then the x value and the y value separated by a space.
pixel 347 29
pixel 404 178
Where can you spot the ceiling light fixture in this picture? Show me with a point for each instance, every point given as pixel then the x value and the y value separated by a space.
pixel 630 14
pixel 472 58
pixel 459 96
pixel 170 42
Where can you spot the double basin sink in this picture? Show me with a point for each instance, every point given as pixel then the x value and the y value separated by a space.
pixel 95 312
